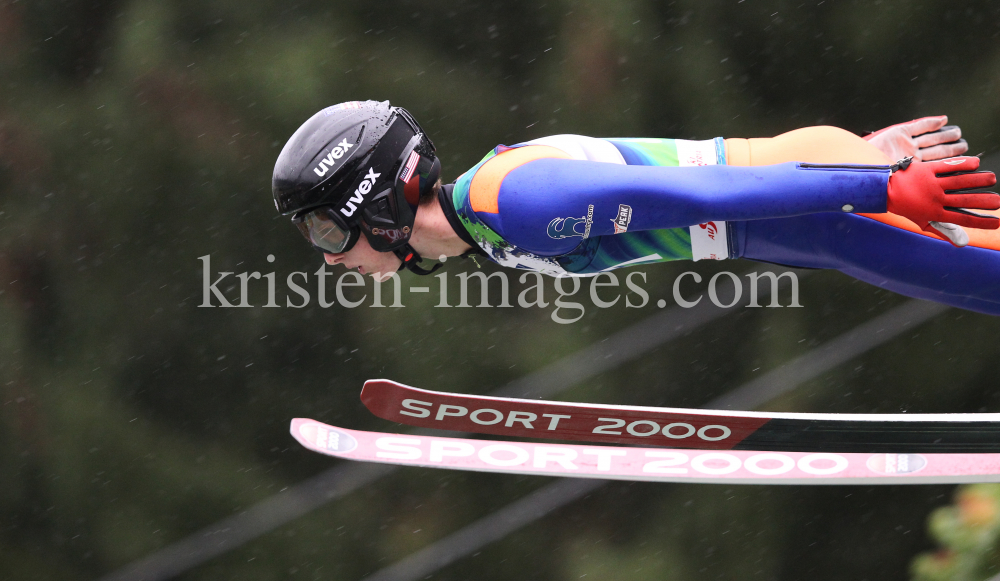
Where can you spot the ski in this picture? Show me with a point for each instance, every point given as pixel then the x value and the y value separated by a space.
pixel 645 464
pixel 683 428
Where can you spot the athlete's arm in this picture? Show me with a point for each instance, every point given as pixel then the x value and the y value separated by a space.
pixel 534 194
pixel 668 197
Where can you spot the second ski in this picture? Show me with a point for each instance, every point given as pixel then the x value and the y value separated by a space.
pixel 683 428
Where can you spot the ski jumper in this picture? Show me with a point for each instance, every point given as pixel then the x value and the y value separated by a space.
pixel 813 198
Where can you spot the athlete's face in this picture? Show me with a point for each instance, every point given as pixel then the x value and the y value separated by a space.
pixel 380 265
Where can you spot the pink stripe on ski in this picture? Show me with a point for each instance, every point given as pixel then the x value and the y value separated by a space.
pixel 652 464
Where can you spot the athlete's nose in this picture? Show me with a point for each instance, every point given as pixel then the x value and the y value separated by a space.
pixel 332 259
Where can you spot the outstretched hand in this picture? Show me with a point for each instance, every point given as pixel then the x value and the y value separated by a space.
pixel 924 139
pixel 936 192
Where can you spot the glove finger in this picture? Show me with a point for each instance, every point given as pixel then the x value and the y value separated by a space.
pixel 943 135
pixel 980 213
pixel 967 181
pixel 985 201
pixel 925 125
pixel 954 165
pixel 953 233
pixel 944 150
pixel 969 220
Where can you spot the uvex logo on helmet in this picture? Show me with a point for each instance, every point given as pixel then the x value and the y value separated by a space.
pixel 335 153
pixel 359 194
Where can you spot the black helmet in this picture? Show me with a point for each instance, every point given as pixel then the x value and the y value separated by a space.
pixel 356 167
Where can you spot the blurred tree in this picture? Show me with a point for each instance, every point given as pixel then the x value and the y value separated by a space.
pixel 968 532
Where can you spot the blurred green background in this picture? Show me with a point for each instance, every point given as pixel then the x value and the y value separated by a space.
pixel 139 135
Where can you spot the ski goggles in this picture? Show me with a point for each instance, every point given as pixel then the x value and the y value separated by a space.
pixel 326 231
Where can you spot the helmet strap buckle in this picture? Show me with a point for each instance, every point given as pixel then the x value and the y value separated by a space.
pixel 410 258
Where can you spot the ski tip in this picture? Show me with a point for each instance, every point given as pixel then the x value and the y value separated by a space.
pixel 377 382
pixel 372 386
pixel 295 429
pixel 319 437
pixel 296 423
pixel 367 391
pixel 375 395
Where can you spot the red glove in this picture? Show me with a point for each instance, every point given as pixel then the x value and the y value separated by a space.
pixel 937 191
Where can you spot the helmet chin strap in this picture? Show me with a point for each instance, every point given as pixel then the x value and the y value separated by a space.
pixel 407 253
pixel 410 258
